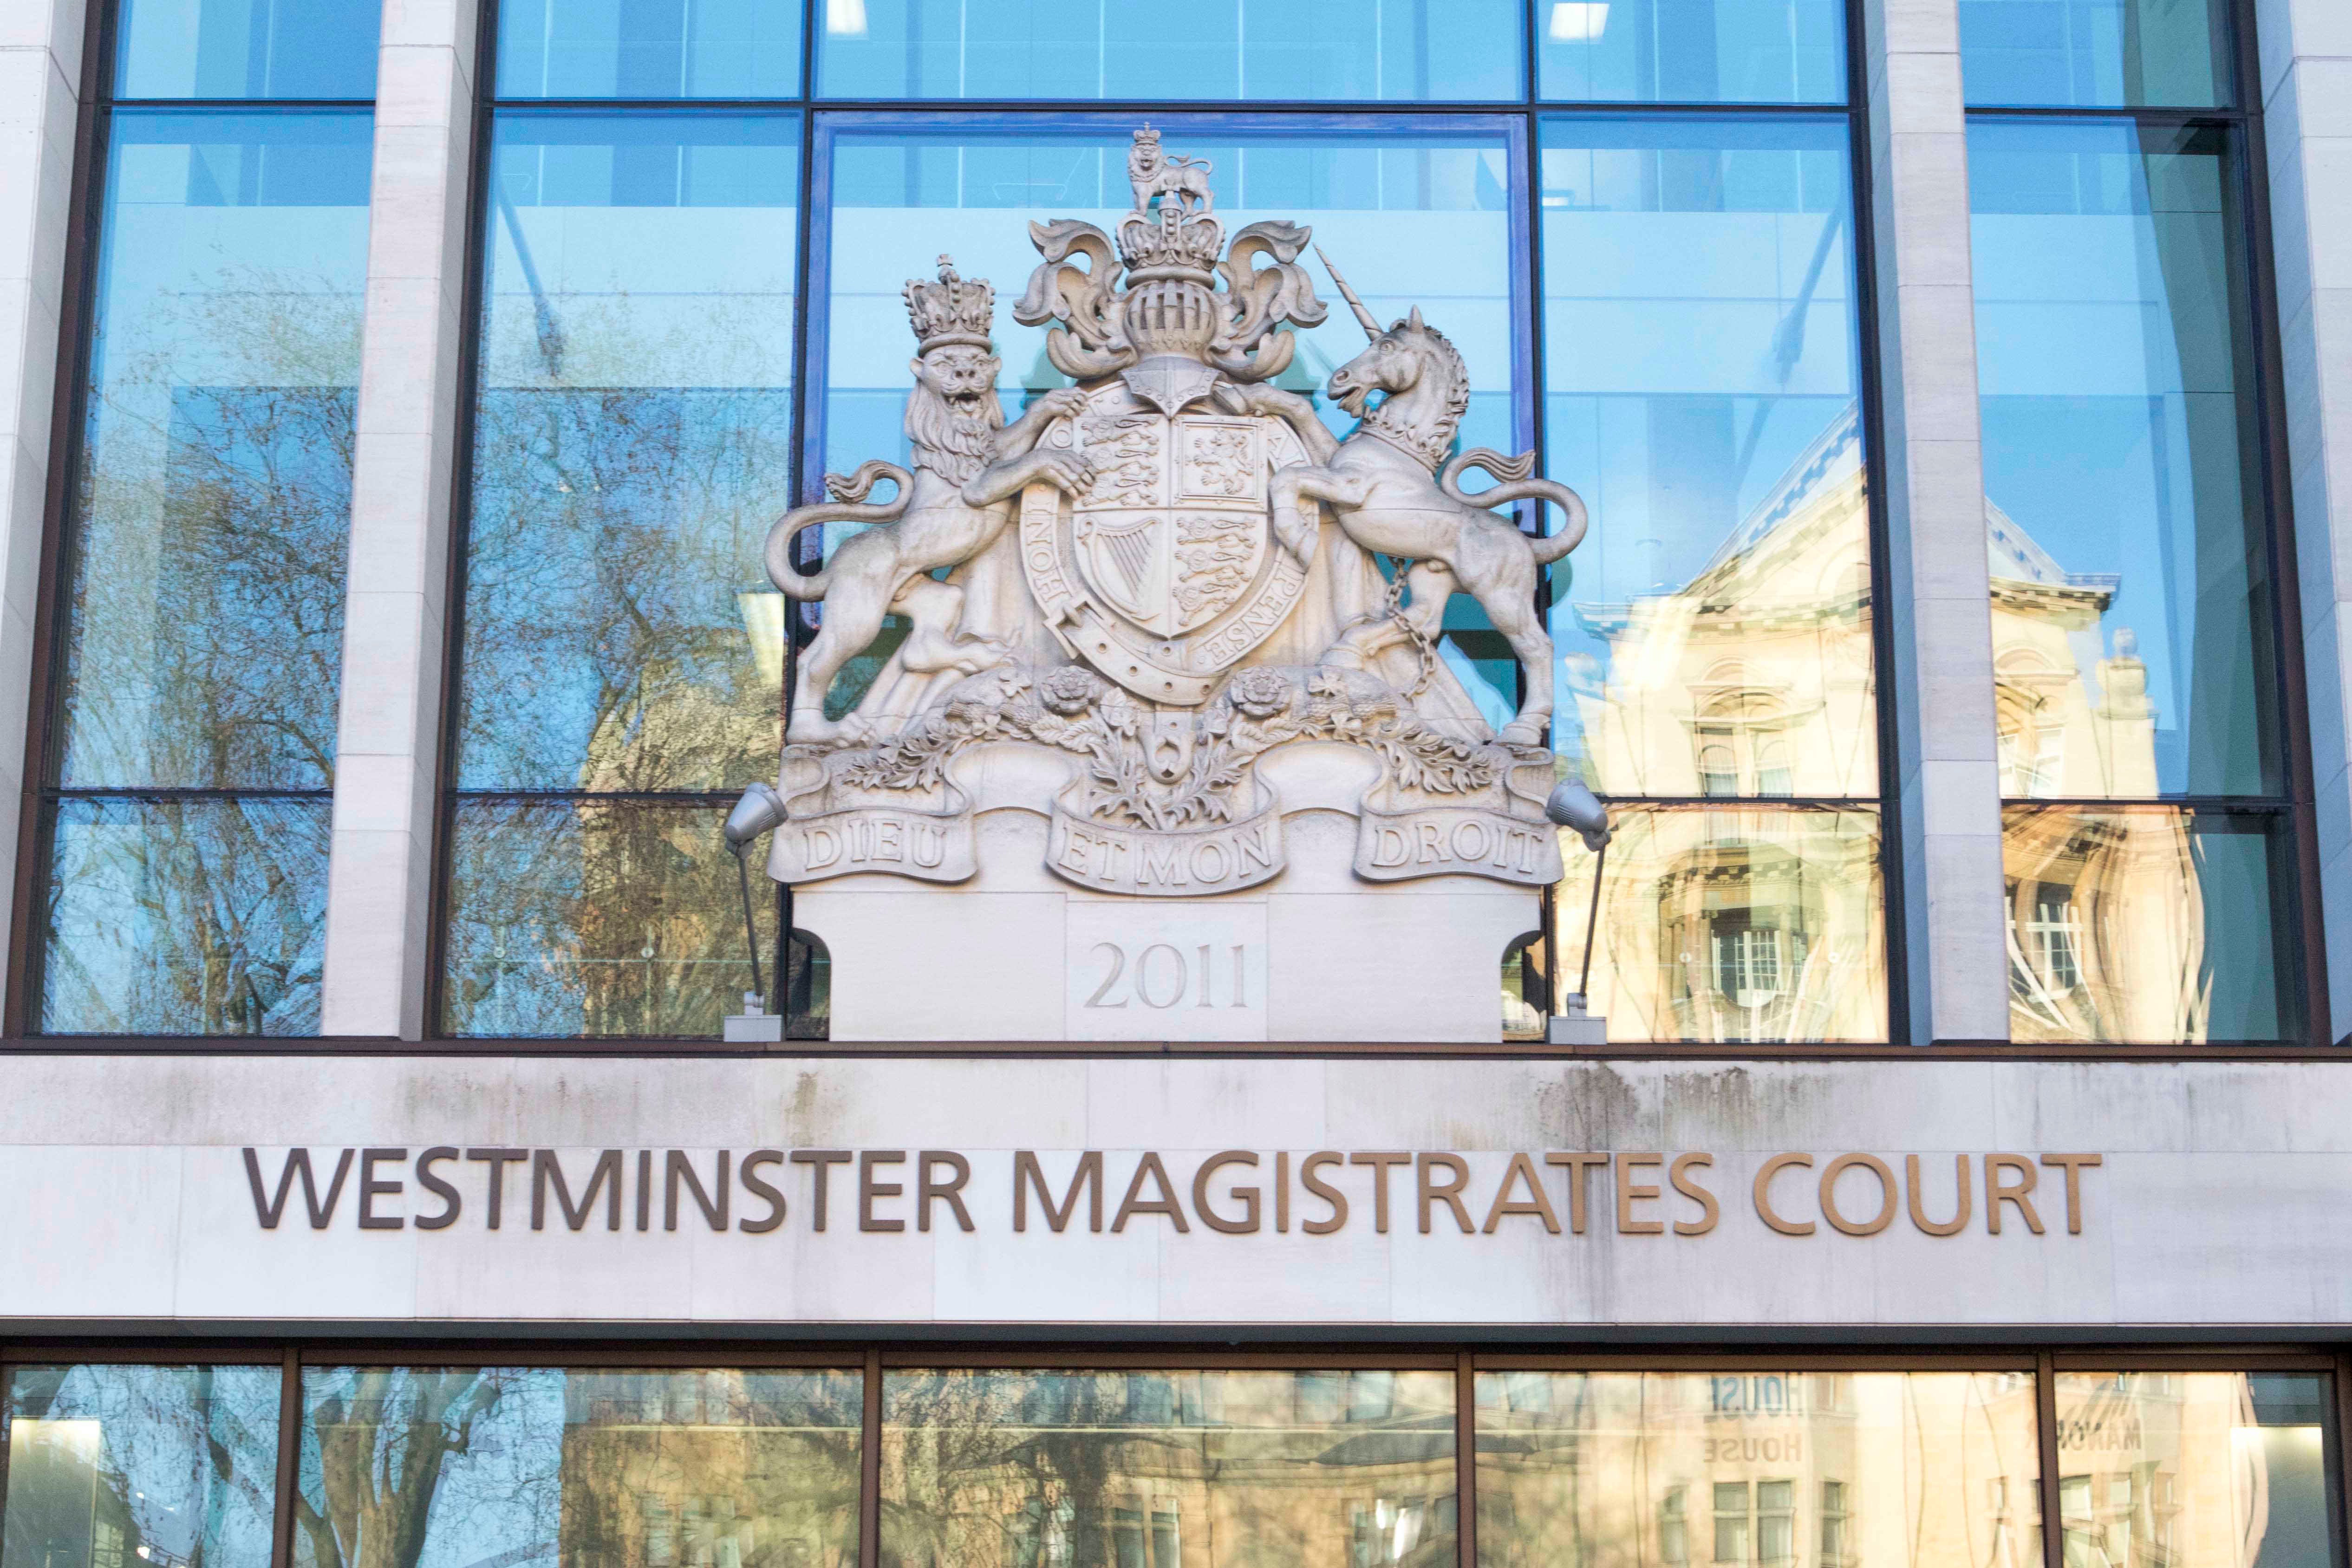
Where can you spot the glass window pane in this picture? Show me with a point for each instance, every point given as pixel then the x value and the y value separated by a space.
pixel 417 1466
pixel 2151 924
pixel 1043 1470
pixel 1731 924
pixel 2198 1469
pixel 1713 631
pixel 1692 51
pixel 1323 50
pixel 1412 217
pixel 2132 600
pixel 624 48
pixel 206 591
pixel 247 49
pixel 187 916
pixel 631 444
pixel 141 1466
pixel 1934 1470
pixel 580 918
pixel 2096 54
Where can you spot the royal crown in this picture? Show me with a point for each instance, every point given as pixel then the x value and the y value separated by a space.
pixel 1170 243
pixel 952 310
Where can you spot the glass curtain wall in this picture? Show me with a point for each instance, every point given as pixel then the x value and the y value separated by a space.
pixel 200 602
pixel 1714 635
pixel 2135 640
pixel 623 662
pixel 1699 386
pixel 1350 1463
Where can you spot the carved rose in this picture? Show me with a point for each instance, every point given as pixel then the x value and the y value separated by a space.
pixel 1259 693
pixel 1068 691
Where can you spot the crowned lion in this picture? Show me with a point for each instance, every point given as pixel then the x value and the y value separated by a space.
pixel 969 465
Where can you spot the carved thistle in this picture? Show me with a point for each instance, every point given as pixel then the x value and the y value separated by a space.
pixel 1154 581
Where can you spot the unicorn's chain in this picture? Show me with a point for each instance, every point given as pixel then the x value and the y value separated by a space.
pixel 1421 644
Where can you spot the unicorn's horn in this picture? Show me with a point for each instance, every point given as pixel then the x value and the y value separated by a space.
pixel 1372 328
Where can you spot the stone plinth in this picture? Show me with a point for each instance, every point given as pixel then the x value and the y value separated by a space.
pixel 1017 953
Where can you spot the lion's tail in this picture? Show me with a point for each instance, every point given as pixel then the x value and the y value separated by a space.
pixel 848 506
pixel 1518 484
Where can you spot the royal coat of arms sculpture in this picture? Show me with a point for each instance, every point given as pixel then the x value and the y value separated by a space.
pixel 1137 599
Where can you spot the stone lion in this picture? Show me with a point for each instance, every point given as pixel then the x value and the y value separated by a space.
pixel 969 465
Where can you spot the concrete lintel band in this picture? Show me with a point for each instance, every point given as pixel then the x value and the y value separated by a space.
pixel 1945 770
pixel 380 872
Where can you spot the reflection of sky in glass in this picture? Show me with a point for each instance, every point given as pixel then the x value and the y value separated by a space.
pixel 613 49
pixel 2109 332
pixel 247 49
pixel 633 443
pixel 1409 218
pixel 155 1466
pixel 1254 50
pixel 2094 53
pixel 551 1463
pixel 1700 375
pixel 222 372
pixel 1692 51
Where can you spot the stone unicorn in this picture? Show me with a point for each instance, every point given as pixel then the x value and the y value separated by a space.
pixel 1393 492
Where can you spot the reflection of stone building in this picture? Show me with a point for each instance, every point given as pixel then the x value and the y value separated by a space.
pixel 1754 1469
pixel 1170 1470
pixel 2182 1470
pixel 649 1484
pixel 1753 680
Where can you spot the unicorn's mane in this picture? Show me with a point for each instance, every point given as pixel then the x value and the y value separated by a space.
pixel 1431 446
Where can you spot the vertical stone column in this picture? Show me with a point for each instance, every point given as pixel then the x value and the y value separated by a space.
pixel 1955 949
pixel 40 103
pixel 2307 88
pixel 380 877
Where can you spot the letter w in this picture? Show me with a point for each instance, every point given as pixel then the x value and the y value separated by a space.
pixel 269 1211
pixel 1027 1173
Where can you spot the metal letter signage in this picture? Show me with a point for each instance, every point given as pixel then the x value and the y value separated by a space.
pixel 1122 601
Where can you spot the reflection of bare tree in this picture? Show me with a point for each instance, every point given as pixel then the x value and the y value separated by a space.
pixel 1162 1471
pixel 493 1468
pixel 187 916
pixel 383 1438
pixel 574 916
pixel 619 640
pixel 203 651
pixel 140 1467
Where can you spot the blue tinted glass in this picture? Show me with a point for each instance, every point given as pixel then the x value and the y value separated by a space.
pixel 631 444
pixel 247 49
pixel 204 629
pixel 636 48
pixel 153 1464
pixel 2096 53
pixel 1692 51
pixel 1326 50
pixel 2131 595
pixel 1701 367
pixel 185 916
pixel 1412 217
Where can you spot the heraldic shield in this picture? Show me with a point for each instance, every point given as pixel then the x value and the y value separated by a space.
pixel 1163 571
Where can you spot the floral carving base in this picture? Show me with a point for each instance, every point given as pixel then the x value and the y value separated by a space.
pixel 1168 801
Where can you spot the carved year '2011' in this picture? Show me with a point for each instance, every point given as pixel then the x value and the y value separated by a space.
pixel 1163 976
